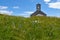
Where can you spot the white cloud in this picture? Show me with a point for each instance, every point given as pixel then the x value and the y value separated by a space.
pixel 26 13
pixel 6 12
pixel 3 7
pixel 3 10
pixel 16 7
pixel 58 0
pixel 55 5
pixel 47 1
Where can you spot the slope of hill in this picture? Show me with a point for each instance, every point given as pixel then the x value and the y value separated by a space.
pixel 33 28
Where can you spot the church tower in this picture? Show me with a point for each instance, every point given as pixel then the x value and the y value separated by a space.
pixel 38 7
pixel 38 11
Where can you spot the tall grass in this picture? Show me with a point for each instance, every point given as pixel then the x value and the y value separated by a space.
pixel 33 28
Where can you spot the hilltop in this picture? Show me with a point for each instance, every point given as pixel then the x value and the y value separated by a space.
pixel 33 28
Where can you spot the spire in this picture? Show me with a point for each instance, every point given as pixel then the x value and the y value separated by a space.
pixel 38 7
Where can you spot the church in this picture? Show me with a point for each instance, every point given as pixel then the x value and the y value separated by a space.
pixel 38 11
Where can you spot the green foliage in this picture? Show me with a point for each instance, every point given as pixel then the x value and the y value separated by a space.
pixel 33 28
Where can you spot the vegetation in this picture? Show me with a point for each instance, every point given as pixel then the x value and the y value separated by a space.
pixel 33 28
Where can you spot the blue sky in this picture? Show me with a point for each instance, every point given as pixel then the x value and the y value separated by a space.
pixel 27 7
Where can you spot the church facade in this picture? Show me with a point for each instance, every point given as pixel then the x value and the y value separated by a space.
pixel 38 11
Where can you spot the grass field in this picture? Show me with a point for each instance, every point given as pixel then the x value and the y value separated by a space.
pixel 33 28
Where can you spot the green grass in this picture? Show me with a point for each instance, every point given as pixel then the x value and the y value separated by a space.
pixel 33 28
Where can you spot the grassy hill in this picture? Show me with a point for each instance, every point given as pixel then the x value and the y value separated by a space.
pixel 33 28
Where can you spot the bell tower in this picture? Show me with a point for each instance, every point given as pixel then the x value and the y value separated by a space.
pixel 38 7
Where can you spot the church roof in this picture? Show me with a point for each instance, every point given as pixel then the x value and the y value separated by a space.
pixel 38 12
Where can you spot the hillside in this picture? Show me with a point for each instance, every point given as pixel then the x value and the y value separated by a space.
pixel 33 28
